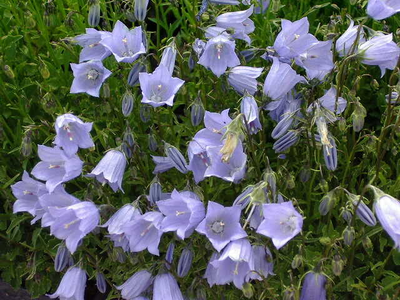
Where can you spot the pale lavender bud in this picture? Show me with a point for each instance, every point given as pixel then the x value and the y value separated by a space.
pixel 197 112
pixel 176 157
pixel 127 103
pixel 140 9
pixel 145 113
pixel 94 15
pixel 248 55
pixel 286 141
pixel 133 77
pixel 347 215
pixel 327 203
pixel 168 57
pixel 152 143
pixel 62 258
pixel 348 235
pixel 249 108
pixel 169 256
pixel 364 213
pixel 185 262
pixel 314 287
pixel 155 192
pixel 72 285
pixel 101 282
pixel 202 10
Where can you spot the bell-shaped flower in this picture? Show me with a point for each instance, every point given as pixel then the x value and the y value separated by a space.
pixel 235 263
pixel 110 169
pixel 88 77
pixel 136 285
pixel 126 45
pixel 280 80
pixel 238 22
pixel 73 223
pixel 221 225
pixel 294 38
pixel 219 54
pixel 183 212
pixel 328 101
pixel 63 257
pixel 263 264
pixel 243 79
pixel 56 167
pixel 168 57
pixel 72 133
pixel 281 223
pixel 163 164
pixel 286 141
pixel 144 232
pixel 166 288
pixel 185 262
pixel 387 210
pixel 27 193
pixel 101 282
pixel 212 273
pixel 329 150
pixel 365 213
pixel 382 9
pixel 262 7
pixel 159 88
pixel 346 41
pixel 249 108
pixel 380 51
pixel 140 9
pixel 92 49
pixel 313 287
pixel 72 285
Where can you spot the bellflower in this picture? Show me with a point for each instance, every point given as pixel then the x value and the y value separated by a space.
pixel 286 141
pixel 328 101
pixel 136 285
pixel 73 223
pixel 198 47
pixel 212 273
pixel 280 80
pixel 232 2
pixel 243 79
pixel 168 57
pixel 163 164
pixel 235 263
pixel 221 225
pixel 27 193
pixel 329 151
pixel 159 88
pixel 238 22
pixel 126 45
pixel 364 213
pixel 185 262
pixel 92 49
pixel 144 232
pixel 387 210
pixel 263 6
pixel 88 77
pixel 126 213
pixel 380 51
pixel 166 288
pixel 317 58
pixel 382 9
pixel 346 41
pixel 183 212
pixel 249 108
pixel 294 38
pixel 72 133
pixel 140 9
pixel 263 264
pixel 55 167
pixel 219 54
pixel 281 223
pixel 62 258
pixel 314 287
pixel 72 285
pixel 110 170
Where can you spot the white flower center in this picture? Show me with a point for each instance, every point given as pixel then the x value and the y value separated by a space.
pixel 92 74
pixel 218 227
pixel 289 225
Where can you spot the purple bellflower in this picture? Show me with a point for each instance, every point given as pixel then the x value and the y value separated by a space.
pixel 281 223
pixel 72 285
pixel 238 22
pixel 159 88
pixel 313 287
pixel 382 9
pixel 286 141
pixel 73 223
pixel 280 80
pixel 249 108
pixel 136 285
pixel 92 49
pixel 212 273
pixel 168 57
pixel 126 45
pixel 144 232
pixel 262 7
pixel 221 225
pixel 166 288
pixel 380 51
pixel 27 193
pixel 163 164
pixel 55 167
pixel 110 169
pixel 219 54
pixel 232 2
pixel 346 41
pixel 140 9
pixel 243 79
pixel 72 133
pixel 235 263
pixel 183 212
pixel 263 264
pixel 89 76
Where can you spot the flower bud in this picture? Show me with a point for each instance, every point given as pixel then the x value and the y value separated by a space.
pixel 191 63
pixel 367 244
pixel 248 290
pixel 133 77
pixel 375 84
pixel 248 55
pixel 337 265
pixel 289 294
pixel 153 146
pixel 270 178
pixel 128 137
pixel 176 157
pixel 62 258
pixel 327 203
pixel 94 15
pixel 363 211
pixel 9 72
pixel 185 262
pixel 347 215
pixel 342 124
pixel 106 93
pixel 202 10
pixel 127 103
pixel 127 150
pixel 313 286
pixel 169 256
pixel 101 282
pixel 26 146
pixel 394 98
pixel 297 261
pixel 44 71
pixel 168 57
pixel 305 174
pixel 290 184
pixel 140 9
pixel 348 235
pixel 145 113
pixel 197 112
pixel 155 192
pixel 358 116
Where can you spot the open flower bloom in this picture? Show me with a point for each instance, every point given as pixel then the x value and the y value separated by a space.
pixel 55 167
pixel 136 285
pixel 263 264
pixel 249 108
pixel 348 38
pixel 314 287
pixel 183 212
pixel 110 169
pixel 73 223
pixel 72 285
pixel 88 77
pixel 382 9
pixel 281 223
pixel 92 49
pixel 243 79
pixel 166 288
pixel 387 210
pixel 159 88
pixel 219 54
pixel 221 225
pixel 72 134
pixel 126 45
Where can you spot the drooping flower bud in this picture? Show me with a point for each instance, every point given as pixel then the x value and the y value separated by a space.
pixel 197 111
pixel 62 258
pixel 101 282
pixel 169 256
pixel 94 14
pixel 185 262
pixel 313 287
pixel 133 77
pixel 155 192
pixel 327 203
pixel 248 290
pixel 176 158
pixel 289 293
pixel 347 215
pixel 153 145
pixel 26 146
pixel 169 57
pixel 363 211
pixel 337 265
pixel 140 9
pixel 305 174
pixel 297 261
pixel 232 136
pixel 358 116
pixel 145 113
pixel 127 103
pixel 348 235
